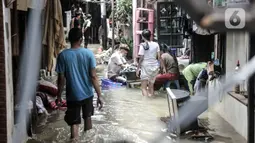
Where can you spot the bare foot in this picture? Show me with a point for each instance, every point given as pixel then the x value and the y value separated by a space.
pixel 74 140
pixel 152 96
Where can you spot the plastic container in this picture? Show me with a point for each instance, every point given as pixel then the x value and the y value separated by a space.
pixel 107 84
pixel 130 75
pixel 173 51
pixel 237 86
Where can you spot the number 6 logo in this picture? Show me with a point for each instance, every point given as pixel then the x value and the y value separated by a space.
pixel 235 18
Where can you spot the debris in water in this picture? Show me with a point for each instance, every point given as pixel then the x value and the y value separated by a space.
pixel 164 130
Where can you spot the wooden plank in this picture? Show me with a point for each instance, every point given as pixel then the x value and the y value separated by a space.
pixel 132 84
pixel 8 3
pixel 130 81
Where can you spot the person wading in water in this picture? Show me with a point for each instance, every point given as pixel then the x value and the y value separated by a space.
pixel 86 30
pixel 77 66
pixel 149 59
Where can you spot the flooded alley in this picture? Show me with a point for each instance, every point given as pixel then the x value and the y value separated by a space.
pixel 201 68
pixel 126 116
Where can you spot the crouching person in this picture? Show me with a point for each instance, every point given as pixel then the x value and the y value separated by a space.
pixel 209 73
pixel 172 70
pixel 116 63
pixel 191 73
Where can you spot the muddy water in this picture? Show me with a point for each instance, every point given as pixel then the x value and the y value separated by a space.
pixel 126 116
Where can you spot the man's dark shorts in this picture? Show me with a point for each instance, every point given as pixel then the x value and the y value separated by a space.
pixel 73 113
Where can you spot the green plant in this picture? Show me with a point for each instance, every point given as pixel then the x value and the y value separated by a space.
pixel 129 42
pixel 124 11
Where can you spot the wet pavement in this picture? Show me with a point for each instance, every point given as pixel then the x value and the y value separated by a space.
pixel 127 116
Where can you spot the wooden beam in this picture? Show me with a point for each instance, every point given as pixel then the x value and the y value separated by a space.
pixel 15 34
pixel 8 3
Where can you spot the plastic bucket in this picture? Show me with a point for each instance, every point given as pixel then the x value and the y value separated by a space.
pixel 107 84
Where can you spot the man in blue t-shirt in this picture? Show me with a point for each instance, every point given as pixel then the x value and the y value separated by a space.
pixel 77 66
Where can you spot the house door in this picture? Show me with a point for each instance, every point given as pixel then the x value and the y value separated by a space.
pixel 202 47
pixel 95 11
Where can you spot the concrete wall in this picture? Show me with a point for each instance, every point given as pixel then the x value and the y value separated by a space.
pixel 6 87
pixel 8 72
pixel 228 107
pixel 3 126
pixel 237 49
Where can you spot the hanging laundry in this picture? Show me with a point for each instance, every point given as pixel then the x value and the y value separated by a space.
pixel 54 105
pixel 40 106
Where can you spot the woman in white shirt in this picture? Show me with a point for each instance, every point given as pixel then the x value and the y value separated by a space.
pixel 149 62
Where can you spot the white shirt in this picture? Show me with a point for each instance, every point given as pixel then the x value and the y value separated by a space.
pixel 87 23
pixel 114 65
pixel 150 55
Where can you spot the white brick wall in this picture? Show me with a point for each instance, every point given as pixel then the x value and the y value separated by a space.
pixel 8 73
pixel 228 107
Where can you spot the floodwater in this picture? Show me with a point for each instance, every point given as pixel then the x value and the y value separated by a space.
pixel 126 116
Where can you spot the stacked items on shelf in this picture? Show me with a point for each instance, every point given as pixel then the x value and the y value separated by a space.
pixel 170 25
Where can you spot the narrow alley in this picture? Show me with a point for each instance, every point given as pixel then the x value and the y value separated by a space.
pixel 127 117
pixel 165 71
pixel 123 118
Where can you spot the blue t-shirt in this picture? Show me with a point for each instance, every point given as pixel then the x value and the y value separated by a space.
pixel 76 65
